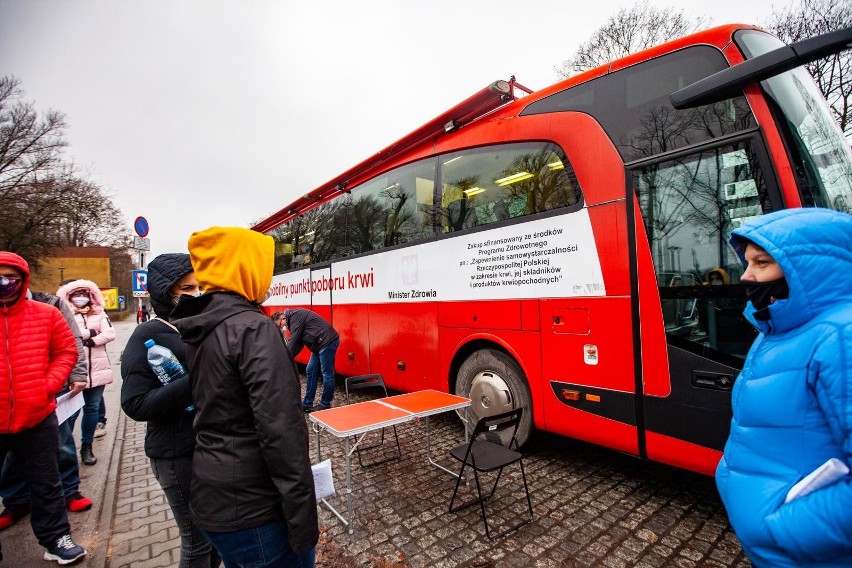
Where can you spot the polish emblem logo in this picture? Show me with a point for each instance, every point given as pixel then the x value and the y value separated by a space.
pixel 409 270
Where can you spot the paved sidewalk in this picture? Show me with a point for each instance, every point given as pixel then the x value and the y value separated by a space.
pixel 592 507
pixel 143 533
pixel 90 529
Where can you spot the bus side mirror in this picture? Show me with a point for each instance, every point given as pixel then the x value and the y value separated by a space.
pixel 730 82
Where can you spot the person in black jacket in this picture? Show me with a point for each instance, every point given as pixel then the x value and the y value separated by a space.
pixel 252 487
pixel 308 329
pixel 170 438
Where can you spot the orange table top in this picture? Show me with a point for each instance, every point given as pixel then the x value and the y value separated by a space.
pixel 361 417
pixel 426 402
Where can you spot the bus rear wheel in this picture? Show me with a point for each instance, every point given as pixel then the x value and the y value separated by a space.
pixel 495 383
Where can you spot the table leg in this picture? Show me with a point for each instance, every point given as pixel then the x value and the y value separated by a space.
pixel 319 453
pixel 345 520
pixel 429 449
pixel 349 485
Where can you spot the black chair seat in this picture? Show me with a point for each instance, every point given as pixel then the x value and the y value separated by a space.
pixel 486 456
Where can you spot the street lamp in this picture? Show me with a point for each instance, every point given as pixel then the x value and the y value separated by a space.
pixel 61 274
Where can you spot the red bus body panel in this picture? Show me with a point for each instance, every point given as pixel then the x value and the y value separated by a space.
pixel 420 345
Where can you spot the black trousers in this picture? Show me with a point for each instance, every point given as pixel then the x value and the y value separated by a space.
pixel 36 450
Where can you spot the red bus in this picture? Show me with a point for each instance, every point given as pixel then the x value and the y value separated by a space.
pixel 555 251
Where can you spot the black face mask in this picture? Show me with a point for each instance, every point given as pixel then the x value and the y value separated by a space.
pixel 762 294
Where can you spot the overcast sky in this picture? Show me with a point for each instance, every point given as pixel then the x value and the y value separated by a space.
pixel 220 112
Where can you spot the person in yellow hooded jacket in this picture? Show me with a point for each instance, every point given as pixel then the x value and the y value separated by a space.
pixel 252 492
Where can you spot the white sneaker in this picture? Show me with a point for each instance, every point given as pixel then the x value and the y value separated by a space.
pixel 64 551
pixel 100 430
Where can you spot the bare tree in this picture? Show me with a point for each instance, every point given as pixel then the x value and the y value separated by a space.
pixel 46 204
pixel 629 31
pixel 30 145
pixel 89 217
pixel 833 75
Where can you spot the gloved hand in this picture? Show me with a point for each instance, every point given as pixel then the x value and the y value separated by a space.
pixel 93 332
pixel 89 342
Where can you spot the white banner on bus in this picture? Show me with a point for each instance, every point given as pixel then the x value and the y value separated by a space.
pixel 553 257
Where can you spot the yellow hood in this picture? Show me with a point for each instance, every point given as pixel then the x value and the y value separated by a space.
pixel 233 259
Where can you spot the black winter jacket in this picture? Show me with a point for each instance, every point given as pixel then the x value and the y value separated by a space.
pixel 144 398
pixel 308 329
pixel 251 464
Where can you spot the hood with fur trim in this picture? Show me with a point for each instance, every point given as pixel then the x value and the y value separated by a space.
pixel 97 303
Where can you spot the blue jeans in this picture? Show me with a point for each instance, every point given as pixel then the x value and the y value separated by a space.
pixel 325 361
pixel 91 408
pixel 267 546
pixel 102 411
pixel 15 491
pixel 174 476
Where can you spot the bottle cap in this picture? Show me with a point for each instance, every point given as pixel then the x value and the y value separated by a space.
pixel 149 343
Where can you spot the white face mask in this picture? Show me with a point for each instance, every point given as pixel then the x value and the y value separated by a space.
pixel 80 301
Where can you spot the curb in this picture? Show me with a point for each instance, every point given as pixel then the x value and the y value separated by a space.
pixel 101 557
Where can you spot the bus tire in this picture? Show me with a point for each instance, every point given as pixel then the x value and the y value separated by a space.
pixel 495 383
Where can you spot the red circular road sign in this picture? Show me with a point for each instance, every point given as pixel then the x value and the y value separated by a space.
pixel 140 225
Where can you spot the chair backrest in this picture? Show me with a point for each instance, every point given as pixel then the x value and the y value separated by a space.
pixel 491 428
pixel 363 382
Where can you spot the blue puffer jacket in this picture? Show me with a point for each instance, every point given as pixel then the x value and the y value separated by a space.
pixel 793 400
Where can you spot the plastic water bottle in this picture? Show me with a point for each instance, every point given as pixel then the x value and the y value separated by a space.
pixel 165 365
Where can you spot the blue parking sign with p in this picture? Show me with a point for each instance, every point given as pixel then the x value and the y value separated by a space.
pixel 140 283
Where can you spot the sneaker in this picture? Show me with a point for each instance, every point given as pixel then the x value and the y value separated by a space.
pixel 77 503
pixel 100 430
pixel 308 409
pixel 12 514
pixel 323 407
pixel 64 551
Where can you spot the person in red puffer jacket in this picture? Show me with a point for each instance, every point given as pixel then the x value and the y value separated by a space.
pixel 37 353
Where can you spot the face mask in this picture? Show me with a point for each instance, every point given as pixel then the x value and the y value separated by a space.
pixel 176 299
pixel 80 301
pixel 9 287
pixel 762 294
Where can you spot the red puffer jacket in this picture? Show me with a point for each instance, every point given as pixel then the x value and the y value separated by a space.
pixel 37 353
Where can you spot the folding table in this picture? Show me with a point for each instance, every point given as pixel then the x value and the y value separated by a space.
pixel 360 418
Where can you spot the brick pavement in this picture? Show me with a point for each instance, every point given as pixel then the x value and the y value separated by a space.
pixel 592 507
pixel 143 533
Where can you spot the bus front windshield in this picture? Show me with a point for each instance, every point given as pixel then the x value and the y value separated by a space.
pixel 821 157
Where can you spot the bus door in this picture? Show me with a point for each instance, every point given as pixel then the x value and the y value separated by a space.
pixel 688 299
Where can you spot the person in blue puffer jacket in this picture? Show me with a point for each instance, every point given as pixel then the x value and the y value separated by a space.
pixel 792 402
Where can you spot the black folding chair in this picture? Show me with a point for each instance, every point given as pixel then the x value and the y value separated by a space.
pixel 486 452
pixel 365 382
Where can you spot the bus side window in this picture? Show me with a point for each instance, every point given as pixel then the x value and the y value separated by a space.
pixel 501 212
pixel 460 215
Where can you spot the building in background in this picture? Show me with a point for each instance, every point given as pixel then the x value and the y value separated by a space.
pixel 73 263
